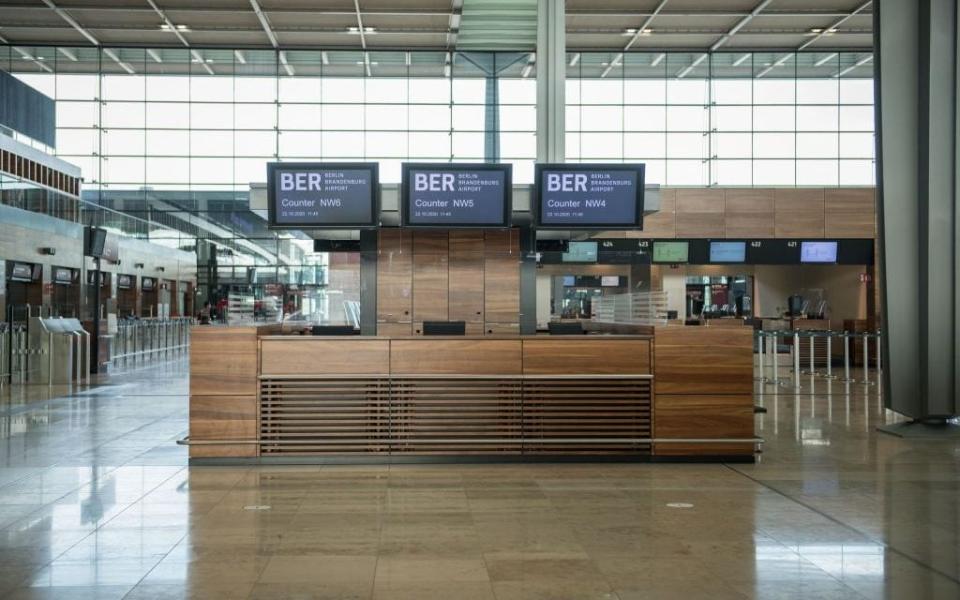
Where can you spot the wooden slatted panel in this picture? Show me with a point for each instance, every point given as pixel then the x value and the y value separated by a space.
pixel 328 415
pixel 586 409
pixel 456 416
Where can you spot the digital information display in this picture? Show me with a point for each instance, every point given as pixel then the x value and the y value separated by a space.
pixel 589 196
pixel 818 252
pixel 671 252
pixel 610 281
pixel 326 195
pixel 728 252
pixel 456 195
pixel 582 252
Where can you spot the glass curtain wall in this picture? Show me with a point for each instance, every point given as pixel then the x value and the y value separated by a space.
pixel 175 137
pixel 728 118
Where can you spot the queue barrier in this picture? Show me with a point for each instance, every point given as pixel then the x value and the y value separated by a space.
pixel 139 341
pixel 771 344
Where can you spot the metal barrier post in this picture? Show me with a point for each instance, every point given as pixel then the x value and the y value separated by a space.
pixel 796 360
pixel 760 349
pixel 878 351
pixel 829 355
pixel 866 359
pixel 776 365
pixel 813 370
pixel 846 357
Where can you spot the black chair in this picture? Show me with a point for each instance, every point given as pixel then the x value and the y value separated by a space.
pixel 333 330
pixel 568 328
pixel 444 328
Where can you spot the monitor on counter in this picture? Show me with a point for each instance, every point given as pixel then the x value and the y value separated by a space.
pixel 610 281
pixel 818 252
pixel 456 194
pixel 728 252
pixel 671 252
pixel 580 252
pixel 588 196
pixel 322 195
pixel 569 281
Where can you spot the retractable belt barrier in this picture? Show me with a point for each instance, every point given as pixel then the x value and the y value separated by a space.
pixel 818 346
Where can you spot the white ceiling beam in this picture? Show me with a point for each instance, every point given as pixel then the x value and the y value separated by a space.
pixel 324 57
pixel 363 39
pixel 825 59
pixel 26 56
pixel 658 59
pixel 240 56
pixel 125 66
pixel 741 60
pixel 173 28
pixel 636 36
pixel 725 37
pixel 859 63
pixel 93 40
pixel 68 53
pixel 264 23
pixel 286 65
pixel 453 22
pixel 574 60
pixel 154 55
pixel 528 68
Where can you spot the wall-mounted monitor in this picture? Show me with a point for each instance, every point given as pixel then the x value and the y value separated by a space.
pixel 125 282
pixel 21 272
pixel 818 252
pixel 610 281
pixel 728 252
pixel 588 196
pixel 148 284
pixel 322 195
pixel 456 195
pixel 580 252
pixel 63 275
pixel 671 252
pixel 569 281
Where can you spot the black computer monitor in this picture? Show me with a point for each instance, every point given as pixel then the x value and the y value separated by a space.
pixel 333 330
pixel 444 328
pixel 561 328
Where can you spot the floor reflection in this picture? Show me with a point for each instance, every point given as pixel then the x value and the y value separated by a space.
pixel 96 501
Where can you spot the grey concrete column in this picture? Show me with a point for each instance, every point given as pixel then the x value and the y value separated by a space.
pixel 551 79
pixel 917 164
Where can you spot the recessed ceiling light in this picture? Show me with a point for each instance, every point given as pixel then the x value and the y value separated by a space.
pixel 831 31
pixel 816 30
pixel 356 30
pixel 646 31
pixel 629 31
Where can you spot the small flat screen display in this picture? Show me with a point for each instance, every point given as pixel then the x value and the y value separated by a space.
pixel 62 275
pixel 610 281
pixel 148 283
pixel 322 195
pixel 589 196
pixel 581 252
pixel 21 272
pixel 728 252
pixel 456 195
pixel 818 252
pixel 569 281
pixel 125 282
pixel 671 252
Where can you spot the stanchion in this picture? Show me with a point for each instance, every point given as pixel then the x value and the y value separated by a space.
pixel 846 357
pixel 813 368
pixel 866 359
pixel 796 360
pixel 830 355
pixel 776 364
pixel 760 345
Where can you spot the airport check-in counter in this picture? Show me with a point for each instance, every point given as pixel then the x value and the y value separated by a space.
pixel 64 350
pixel 678 393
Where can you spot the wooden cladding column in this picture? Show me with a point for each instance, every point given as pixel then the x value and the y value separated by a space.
pixel 466 279
pixel 431 277
pixel 703 382
pixel 395 282
pixel 501 282
pixel 223 390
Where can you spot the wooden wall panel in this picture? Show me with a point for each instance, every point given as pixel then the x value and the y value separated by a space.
pixel 431 356
pixel 223 361
pixel 466 286
pixel 317 356
pixel 703 416
pixel 501 283
pixel 580 354
pixel 394 287
pixel 799 212
pixel 466 241
pixel 663 223
pixel 703 360
pixel 501 329
pixel 430 282
pixel 394 239
pixel 749 213
pixel 394 329
pixel 223 418
pixel 501 241
pixel 700 212
pixel 850 213
pixel 430 242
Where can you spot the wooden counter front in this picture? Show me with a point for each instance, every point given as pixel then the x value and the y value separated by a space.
pixel 302 396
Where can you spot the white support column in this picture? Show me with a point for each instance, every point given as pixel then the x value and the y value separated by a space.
pixel 551 80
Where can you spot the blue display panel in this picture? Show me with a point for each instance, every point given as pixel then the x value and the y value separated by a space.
pixel 583 252
pixel 818 252
pixel 728 252
pixel 456 195
pixel 588 196
pixel 323 195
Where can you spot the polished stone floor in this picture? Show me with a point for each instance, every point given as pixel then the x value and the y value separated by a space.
pixel 96 501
